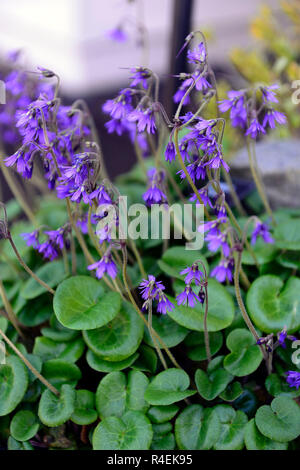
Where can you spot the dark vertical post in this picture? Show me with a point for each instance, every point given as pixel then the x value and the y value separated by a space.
pixel 182 23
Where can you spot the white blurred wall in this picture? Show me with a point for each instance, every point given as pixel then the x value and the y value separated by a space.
pixel 69 35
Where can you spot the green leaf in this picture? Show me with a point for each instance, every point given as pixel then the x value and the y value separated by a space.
pixel 147 360
pixel 287 235
pixel 280 421
pixel 197 428
pixel 81 304
pixel 177 258
pixel 12 444
pixel 274 305
pixel 24 425
pixel 232 392
pixel 116 394
pixel 168 387
pixel 254 440
pixel 96 363
pixel 59 372
pixel 163 442
pixel 170 332
pixel 131 432
pixel 220 310
pixel 46 348
pixel 232 428
pixel 54 411
pixel 84 409
pixel 264 252
pixel 245 356
pixel 196 344
pixel 35 312
pixel 51 273
pixel 162 414
pixel 210 386
pixel 13 384
pixel 120 338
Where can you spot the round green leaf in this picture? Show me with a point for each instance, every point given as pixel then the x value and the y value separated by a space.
pixel 287 234
pixel 51 273
pixel 84 411
pixel 116 394
pixel 274 305
pixel 147 360
pixel 280 421
pixel 254 440
pixel 131 432
pixel 120 338
pixel 96 363
pixel 197 428
pixel 54 411
pixel 170 332
pixel 24 425
pixel 196 345
pixel 12 444
pixel 245 356
pixel 60 372
pixel 220 310
pixel 162 414
pixel 211 385
pixel 168 387
pixel 81 304
pixel 232 428
pixel 232 392
pixel 13 384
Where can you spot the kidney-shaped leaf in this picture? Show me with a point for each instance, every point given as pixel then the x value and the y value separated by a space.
pixel 197 428
pixel 211 385
pixel 24 425
pixel 13 384
pixel 81 304
pixel 254 440
pixel 54 411
pixel 245 356
pixel 168 387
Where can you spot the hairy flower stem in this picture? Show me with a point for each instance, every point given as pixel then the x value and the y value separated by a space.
pixel 238 259
pixel 159 353
pixel 17 193
pixel 24 265
pixel 124 271
pixel 206 334
pixel 257 179
pixel 9 310
pixel 29 365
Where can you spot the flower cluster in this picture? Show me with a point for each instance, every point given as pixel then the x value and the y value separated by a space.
pixel 55 242
pixel 245 114
pixel 188 296
pixel 151 290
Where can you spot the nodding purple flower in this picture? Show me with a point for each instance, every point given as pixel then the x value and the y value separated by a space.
pixel 151 289
pixel 213 225
pixel 217 161
pixel 120 107
pixel 155 193
pixel 117 34
pixel 170 153
pixel 255 129
pixel 105 266
pixel 101 196
pixel 193 273
pixel 188 297
pixel 145 119
pixel 203 193
pixel 282 336
pixel 268 93
pixel 261 230
pixel 119 126
pixel 224 270
pixel 32 238
pixel 180 94
pixel 196 170
pixel 236 104
pixel 57 237
pixel 79 171
pixel 23 163
pixel 217 240
pixel 48 250
pixel 197 55
pixel 293 378
pixel 140 75
pixel 272 116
